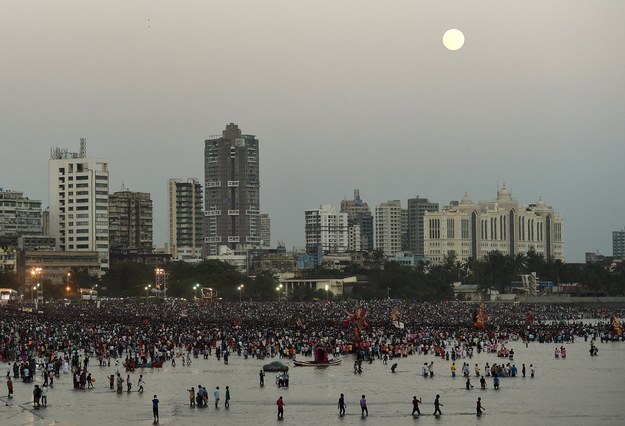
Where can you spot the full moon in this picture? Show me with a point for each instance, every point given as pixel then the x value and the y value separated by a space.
pixel 453 39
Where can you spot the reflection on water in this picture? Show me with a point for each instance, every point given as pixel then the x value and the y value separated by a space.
pixel 578 390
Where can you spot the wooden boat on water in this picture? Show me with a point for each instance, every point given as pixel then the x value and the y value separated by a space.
pixel 155 364
pixel 328 363
pixel 321 359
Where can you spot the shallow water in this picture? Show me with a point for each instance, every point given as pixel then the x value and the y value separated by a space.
pixel 578 390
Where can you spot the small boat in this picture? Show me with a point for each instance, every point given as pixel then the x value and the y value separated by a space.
pixel 155 364
pixel 321 359
pixel 328 363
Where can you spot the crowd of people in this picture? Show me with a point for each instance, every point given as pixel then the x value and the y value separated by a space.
pixel 66 338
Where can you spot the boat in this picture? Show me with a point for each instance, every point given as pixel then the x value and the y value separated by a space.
pixel 321 359
pixel 155 364
pixel 328 363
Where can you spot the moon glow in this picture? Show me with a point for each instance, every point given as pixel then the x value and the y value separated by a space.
pixel 453 39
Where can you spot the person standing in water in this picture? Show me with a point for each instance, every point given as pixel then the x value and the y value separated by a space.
pixel 216 394
pixel 415 405
pixel 342 405
pixel 479 407
pixel 437 405
pixel 155 408
pixel 364 411
pixel 280 403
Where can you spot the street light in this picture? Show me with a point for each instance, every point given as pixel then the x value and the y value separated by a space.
pixel 327 292
pixel 195 287
pixel 279 290
pixel 240 288
pixel 147 290
pixel 35 273
pixel 160 280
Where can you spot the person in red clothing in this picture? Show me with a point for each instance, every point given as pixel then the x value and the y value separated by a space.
pixel 280 403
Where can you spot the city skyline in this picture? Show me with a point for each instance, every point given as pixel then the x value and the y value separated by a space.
pixel 341 96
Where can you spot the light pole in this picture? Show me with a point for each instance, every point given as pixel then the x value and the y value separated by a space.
pixel 35 273
pixel 160 283
pixel 147 292
pixel 240 288
pixel 195 287
pixel 327 292
pixel 279 290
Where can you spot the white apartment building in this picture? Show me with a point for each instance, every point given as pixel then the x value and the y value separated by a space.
pixel 390 227
pixel 472 230
pixel 326 227
pixel 78 195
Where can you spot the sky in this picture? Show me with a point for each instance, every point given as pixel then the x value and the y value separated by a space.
pixel 342 94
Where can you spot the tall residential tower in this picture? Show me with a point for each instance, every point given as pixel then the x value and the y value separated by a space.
pixel 232 191
pixel 416 210
pixel 186 219
pixel 130 222
pixel 359 219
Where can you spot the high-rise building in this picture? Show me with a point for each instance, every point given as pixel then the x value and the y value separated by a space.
pixel 186 219
pixel 78 192
pixel 472 230
pixel 416 210
pixel 19 215
pixel 390 227
pixel 326 229
pixel 265 230
pixel 232 190
pixel 130 222
pixel 359 215
pixel 618 244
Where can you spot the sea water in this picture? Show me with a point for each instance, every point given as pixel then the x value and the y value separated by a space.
pixel 577 390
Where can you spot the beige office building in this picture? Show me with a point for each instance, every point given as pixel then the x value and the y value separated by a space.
pixel 472 230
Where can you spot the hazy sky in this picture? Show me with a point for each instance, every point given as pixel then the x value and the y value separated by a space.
pixel 342 94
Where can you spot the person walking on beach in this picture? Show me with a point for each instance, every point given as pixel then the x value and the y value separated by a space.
pixel 140 383
pixel 280 403
pixel 415 405
pixel 44 395
pixel 261 375
pixel 227 404
pixel 155 408
pixel 532 370
pixel 36 396
pixel 364 411
pixel 216 394
pixel 479 407
pixel 10 386
pixel 437 405
pixel 191 396
pixel 342 405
